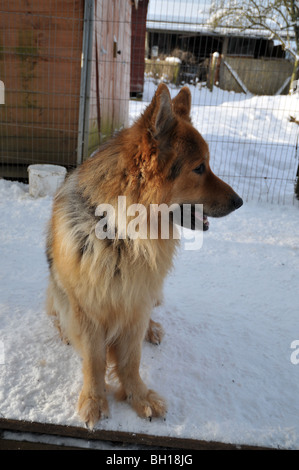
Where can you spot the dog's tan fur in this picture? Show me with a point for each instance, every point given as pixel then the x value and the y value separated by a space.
pixel 101 292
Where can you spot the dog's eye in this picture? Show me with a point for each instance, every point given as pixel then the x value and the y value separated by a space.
pixel 200 169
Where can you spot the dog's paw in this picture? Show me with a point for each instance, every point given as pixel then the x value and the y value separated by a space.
pixel 150 406
pixel 154 332
pixel 91 409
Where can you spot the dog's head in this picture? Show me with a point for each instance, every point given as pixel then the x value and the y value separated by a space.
pixel 182 157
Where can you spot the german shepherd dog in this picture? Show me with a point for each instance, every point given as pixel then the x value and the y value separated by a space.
pixel 101 291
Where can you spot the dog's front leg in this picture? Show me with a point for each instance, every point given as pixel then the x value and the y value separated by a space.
pixel 92 403
pixel 127 354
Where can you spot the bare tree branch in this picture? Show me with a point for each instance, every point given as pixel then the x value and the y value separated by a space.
pixel 274 16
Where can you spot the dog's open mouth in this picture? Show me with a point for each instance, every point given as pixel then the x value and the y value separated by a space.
pixel 191 216
pixel 199 220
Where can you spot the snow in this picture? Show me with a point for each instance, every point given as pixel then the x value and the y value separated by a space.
pixel 173 60
pixel 226 364
pixel 223 18
pixel 177 12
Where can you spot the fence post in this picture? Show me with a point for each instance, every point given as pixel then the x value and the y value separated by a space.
pixel 297 173
pixel 214 61
pixel 86 62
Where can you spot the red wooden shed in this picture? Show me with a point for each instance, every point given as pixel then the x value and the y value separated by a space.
pixel 66 69
pixel 139 12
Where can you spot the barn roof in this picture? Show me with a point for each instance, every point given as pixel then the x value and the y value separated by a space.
pixel 193 17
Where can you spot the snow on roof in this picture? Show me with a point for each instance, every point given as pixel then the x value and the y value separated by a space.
pixel 193 16
pixel 177 15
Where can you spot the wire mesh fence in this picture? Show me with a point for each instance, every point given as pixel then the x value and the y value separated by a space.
pixel 40 65
pixel 76 71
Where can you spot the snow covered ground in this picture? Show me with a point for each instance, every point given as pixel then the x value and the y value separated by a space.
pixel 226 365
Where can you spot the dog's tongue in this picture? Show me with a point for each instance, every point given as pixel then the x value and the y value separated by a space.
pixel 203 219
pixel 206 222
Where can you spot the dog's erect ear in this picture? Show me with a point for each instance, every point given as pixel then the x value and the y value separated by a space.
pixel 159 113
pixel 182 104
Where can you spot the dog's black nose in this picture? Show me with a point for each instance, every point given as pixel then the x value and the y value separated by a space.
pixel 237 202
